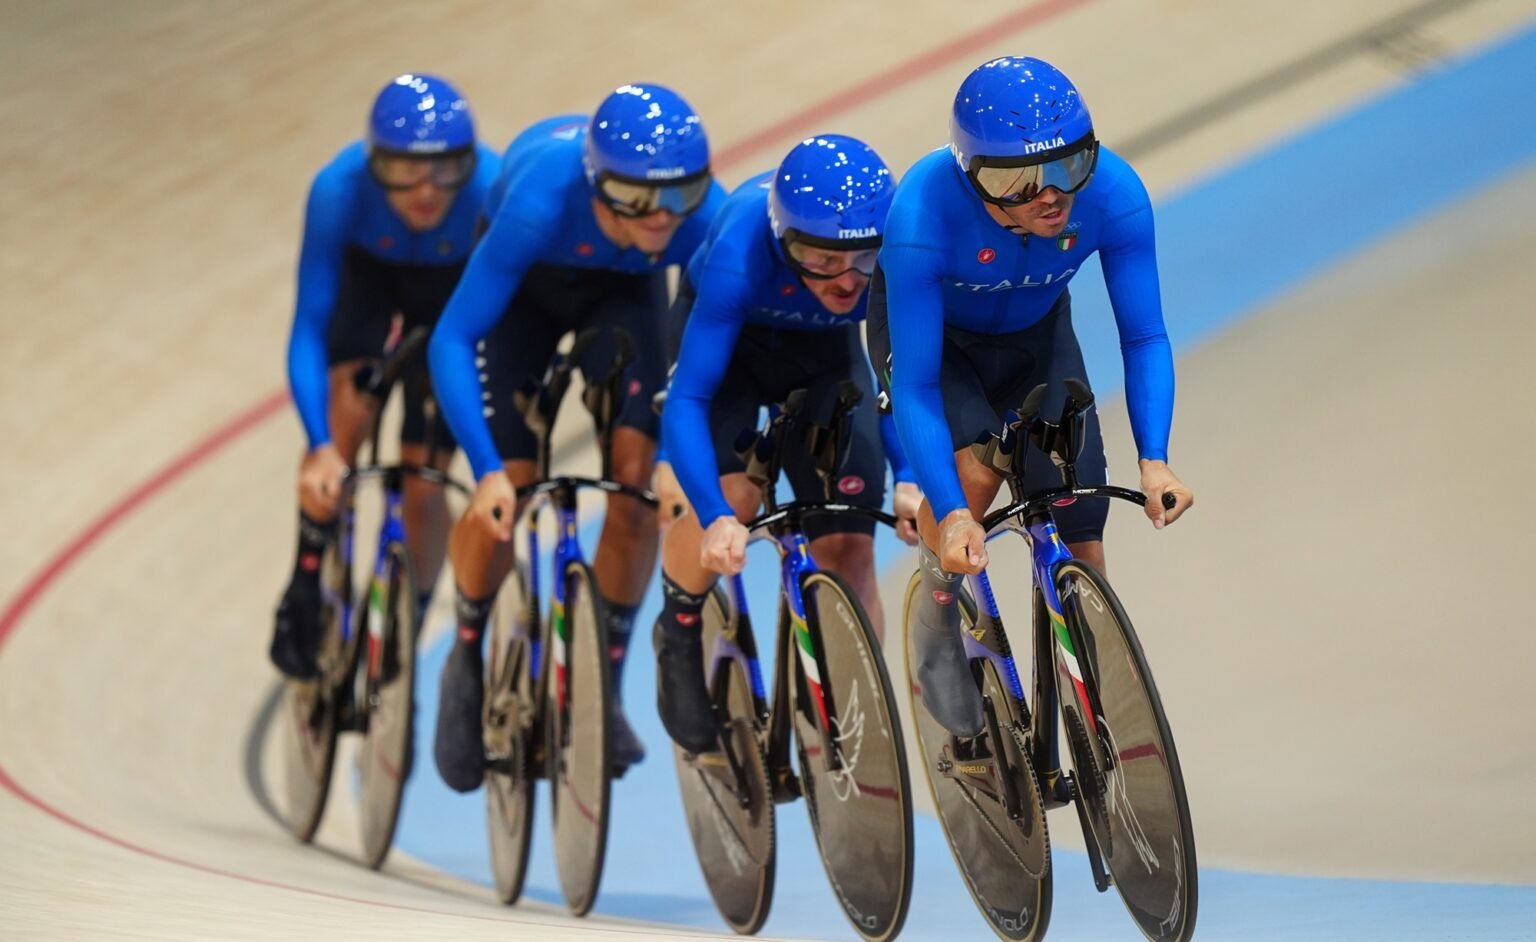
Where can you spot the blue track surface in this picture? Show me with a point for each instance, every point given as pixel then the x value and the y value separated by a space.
pixel 1227 245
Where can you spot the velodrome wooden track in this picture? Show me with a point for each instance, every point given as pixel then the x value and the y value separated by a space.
pixel 1349 663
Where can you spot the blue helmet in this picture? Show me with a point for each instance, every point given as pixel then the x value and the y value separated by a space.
pixel 1019 126
pixel 420 114
pixel 831 189
pixel 646 134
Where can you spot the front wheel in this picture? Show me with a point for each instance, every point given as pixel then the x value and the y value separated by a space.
pixel 726 795
pixel 577 744
pixel 512 733
pixel 1127 769
pixel 859 797
pixel 384 760
pixel 1004 860
pixel 311 707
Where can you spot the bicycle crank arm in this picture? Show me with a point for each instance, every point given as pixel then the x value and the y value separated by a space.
pixel 1101 881
pixel 786 785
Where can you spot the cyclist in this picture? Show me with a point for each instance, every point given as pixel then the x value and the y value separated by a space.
pixel 584 220
pixel 388 226
pixel 772 303
pixel 970 310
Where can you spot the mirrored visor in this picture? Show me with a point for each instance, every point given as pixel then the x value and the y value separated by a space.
pixel 818 261
pixel 997 182
pixel 631 198
pixel 407 171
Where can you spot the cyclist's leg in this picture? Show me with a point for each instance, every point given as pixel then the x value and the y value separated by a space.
pixel 942 668
pixel 424 293
pixel 514 352
pixel 627 548
pixel 682 695
pixel 359 325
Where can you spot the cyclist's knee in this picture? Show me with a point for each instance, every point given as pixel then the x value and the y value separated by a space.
pixel 743 496
pixel 850 555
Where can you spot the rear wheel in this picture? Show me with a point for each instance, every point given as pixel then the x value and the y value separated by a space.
pixel 1124 757
pixel 511 735
pixel 311 707
pixel 726 795
pixel 861 812
pixel 1004 861
pixel 384 759
pixel 578 745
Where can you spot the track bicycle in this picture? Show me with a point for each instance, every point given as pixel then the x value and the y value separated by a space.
pixel 367 644
pixel 547 673
pixel 830 690
pixel 992 790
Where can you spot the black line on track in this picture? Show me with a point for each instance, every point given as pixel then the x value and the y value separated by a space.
pixel 1377 39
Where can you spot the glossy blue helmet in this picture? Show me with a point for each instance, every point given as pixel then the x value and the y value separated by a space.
pixel 831 189
pixel 646 134
pixel 420 114
pixel 1016 107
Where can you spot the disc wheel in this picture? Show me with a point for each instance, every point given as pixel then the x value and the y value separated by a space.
pixel 1005 862
pixel 385 756
pixel 861 813
pixel 726 795
pixel 578 738
pixel 310 707
pixel 512 721
pixel 1144 832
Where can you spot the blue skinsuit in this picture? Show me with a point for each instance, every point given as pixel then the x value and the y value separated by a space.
pixel 540 213
pixel 946 263
pixel 347 212
pixel 740 278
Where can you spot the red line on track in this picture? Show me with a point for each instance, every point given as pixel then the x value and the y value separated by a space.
pixel 273 403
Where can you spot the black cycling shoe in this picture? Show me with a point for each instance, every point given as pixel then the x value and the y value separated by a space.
pixel 460 744
pixel 627 748
pixel 296 631
pixel 944 673
pixel 682 696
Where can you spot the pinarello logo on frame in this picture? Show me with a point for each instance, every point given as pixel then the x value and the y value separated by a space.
pixel 985 256
pixel 850 485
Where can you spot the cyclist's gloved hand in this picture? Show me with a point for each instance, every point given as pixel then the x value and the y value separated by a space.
pixel 491 507
pixel 320 475
pixel 724 549
pixel 962 543
pixel 905 503
pixel 1158 479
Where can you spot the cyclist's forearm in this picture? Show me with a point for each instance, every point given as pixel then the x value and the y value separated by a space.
pixel 456 383
pixel 685 434
pixel 1149 388
pixel 895 454
pixel 919 410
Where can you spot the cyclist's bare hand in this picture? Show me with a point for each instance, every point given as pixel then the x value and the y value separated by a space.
pixel 320 475
pixel 491 507
pixel 962 543
pixel 1158 479
pixel 724 549
pixel 906 502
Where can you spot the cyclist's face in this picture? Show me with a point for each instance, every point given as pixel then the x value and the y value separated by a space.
pixel 423 206
pixel 838 295
pixel 1045 215
pixel 650 234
